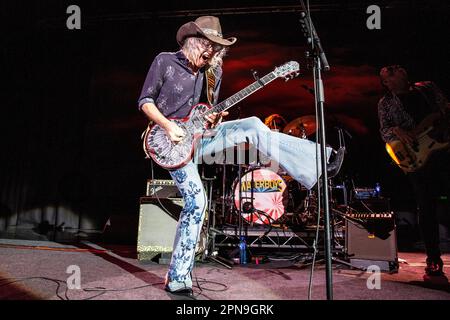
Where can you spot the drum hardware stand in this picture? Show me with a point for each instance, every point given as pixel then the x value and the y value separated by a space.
pixel 252 207
pixel 240 222
pixel 345 253
pixel 333 240
pixel 334 250
pixel 240 226
pixel 344 189
pixel 224 184
pixel 210 226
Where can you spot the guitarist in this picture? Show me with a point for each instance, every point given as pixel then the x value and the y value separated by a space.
pixel 175 83
pixel 401 109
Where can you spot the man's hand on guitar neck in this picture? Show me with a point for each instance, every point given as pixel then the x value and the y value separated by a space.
pixel 215 119
pixel 405 136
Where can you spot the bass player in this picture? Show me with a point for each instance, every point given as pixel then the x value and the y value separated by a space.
pixel 404 106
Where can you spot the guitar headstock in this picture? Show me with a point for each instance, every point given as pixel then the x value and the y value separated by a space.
pixel 289 70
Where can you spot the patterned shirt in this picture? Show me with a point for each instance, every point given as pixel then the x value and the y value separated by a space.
pixel 173 87
pixel 393 113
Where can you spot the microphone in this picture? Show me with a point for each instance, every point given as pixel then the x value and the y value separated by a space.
pixel 310 31
pixel 348 134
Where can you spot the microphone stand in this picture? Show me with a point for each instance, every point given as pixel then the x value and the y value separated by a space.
pixel 320 62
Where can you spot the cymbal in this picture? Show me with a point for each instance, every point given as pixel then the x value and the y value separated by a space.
pixel 301 127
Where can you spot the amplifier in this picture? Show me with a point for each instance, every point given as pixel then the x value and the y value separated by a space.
pixel 372 214
pixel 158 220
pixel 157 226
pixel 162 188
pixel 365 193
pixel 365 248
pixel 371 234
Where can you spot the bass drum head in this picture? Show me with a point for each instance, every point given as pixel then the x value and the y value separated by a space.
pixel 269 192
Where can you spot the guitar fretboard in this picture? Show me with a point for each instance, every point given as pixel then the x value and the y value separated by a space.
pixel 235 98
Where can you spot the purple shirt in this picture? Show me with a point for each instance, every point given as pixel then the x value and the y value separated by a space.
pixel 173 87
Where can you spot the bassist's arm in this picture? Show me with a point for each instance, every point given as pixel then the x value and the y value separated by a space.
pixel 386 125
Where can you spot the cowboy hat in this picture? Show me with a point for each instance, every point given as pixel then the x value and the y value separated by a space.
pixel 207 27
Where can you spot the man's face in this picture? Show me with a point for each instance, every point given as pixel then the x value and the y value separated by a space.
pixel 207 50
pixel 396 81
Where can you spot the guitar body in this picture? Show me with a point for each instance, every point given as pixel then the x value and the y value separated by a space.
pixel 168 154
pixel 432 135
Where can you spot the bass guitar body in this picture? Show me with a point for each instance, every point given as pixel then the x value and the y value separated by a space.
pixel 432 135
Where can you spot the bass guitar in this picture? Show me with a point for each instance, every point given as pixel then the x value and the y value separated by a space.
pixel 432 134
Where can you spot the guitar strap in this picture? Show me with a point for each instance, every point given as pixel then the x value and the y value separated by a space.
pixel 210 85
pixel 144 139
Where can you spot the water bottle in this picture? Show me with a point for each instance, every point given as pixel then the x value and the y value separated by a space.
pixel 377 189
pixel 242 251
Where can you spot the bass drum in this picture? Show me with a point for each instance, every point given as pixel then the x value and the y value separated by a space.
pixel 264 196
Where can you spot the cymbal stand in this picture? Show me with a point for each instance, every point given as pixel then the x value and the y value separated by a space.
pixel 240 222
pixel 210 247
pixel 333 230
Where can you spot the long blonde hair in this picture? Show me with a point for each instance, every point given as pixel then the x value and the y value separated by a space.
pixel 192 47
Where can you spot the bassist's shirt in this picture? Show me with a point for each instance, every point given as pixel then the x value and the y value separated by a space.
pixel 415 105
pixel 406 112
pixel 173 87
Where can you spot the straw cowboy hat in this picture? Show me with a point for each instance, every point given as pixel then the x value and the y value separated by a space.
pixel 207 27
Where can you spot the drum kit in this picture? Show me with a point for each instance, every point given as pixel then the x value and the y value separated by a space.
pixel 261 196
pixel 257 200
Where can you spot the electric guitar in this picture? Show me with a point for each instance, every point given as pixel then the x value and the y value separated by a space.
pixel 432 134
pixel 170 155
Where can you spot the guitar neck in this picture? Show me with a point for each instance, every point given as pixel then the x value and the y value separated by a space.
pixel 244 93
pixel 287 70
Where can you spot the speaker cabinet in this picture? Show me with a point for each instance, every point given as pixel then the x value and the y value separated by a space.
pixel 162 188
pixel 157 226
pixel 371 237
pixel 365 248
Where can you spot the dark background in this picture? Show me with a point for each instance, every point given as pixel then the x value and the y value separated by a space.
pixel 70 128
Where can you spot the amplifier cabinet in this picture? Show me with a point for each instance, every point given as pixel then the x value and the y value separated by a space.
pixel 157 226
pixel 370 237
pixel 162 188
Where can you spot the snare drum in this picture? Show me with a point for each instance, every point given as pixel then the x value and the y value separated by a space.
pixel 264 196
